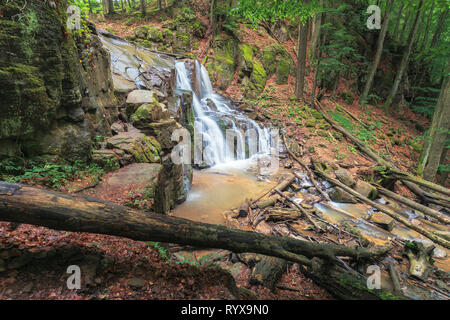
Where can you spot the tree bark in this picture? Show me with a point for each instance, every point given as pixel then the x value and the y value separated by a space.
pixel 25 204
pixel 143 8
pixel 405 59
pixel 427 28
pixel 437 32
pixel 301 60
pixel 317 23
pixel 380 45
pixel 436 140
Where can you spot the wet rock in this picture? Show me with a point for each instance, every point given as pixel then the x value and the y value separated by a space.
pixel 122 86
pixel 136 283
pixel 137 98
pixel 345 177
pixel 366 189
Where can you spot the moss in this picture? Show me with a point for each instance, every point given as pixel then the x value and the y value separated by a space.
pixel 155 34
pixel 146 150
pixel 258 78
pixel 268 59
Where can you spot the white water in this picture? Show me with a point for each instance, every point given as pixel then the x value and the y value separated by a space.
pixel 239 127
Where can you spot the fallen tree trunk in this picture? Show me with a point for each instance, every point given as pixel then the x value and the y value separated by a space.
pixel 25 204
pixel 430 235
pixel 412 204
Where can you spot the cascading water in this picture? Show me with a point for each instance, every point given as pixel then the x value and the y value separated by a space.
pixel 243 137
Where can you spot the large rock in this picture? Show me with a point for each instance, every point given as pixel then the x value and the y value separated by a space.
pixel 345 177
pixel 162 131
pixel 137 98
pixel 144 149
pixel 149 112
pixel 366 189
pixel 48 80
pixel 339 195
pixel 221 68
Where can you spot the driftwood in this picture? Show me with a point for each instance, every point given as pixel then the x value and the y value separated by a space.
pixel 414 205
pixel 25 204
pixel 283 214
pixel 432 236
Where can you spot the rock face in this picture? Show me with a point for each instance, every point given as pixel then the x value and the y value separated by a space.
pixel 47 94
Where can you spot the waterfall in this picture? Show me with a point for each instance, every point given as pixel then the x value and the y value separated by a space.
pixel 212 113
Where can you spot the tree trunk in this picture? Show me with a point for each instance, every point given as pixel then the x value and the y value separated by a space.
pixel 212 17
pixel 436 141
pixel 380 46
pixel 317 23
pixel 427 28
pixel 405 59
pixel 395 34
pixel 301 60
pixel 438 31
pixel 143 8
pixel 25 204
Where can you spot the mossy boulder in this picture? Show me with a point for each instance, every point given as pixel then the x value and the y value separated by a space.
pixel 149 112
pixel 155 34
pixel 143 149
pixel 245 60
pixel 276 59
pixel 223 65
pixel 258 79
pixel 141 32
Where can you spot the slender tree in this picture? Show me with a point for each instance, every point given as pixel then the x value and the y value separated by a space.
pixel 380 45
pixel 143 8
pixel 405 59
pixel 301 59
pixel 440 24
pixel 435 146
pixel 427 27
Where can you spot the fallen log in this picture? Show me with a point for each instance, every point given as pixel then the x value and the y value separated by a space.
pixel 424 183
pixel 430 235
pixel 68 212
pixel 395 279
pixel 244 209
pixel 414 205
pixel 283 214
pixel 281 186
